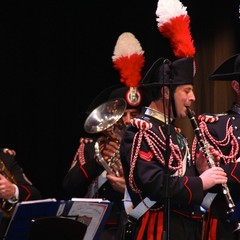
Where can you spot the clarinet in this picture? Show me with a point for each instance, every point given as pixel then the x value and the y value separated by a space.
pixel 204 145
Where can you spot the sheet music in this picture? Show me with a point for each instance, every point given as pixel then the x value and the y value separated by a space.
pixel 90 213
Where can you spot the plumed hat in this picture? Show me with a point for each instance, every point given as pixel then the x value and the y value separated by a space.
pixel 129 60
pixel 228 70
pixel 117 91
pixel 173 23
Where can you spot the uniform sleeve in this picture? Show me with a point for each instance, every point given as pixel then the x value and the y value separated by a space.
pixel 27 191
pixel 233 174
pixel 81 175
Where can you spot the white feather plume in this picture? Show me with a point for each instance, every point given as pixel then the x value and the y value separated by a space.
pixel 167 9
pixel 126 45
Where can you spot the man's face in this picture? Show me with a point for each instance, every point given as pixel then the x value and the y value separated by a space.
pixel 129 114
pixel 116 131
pixel 184 97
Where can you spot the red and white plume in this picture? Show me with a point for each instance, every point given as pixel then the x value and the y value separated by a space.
pixel 128 59
pixel 173 23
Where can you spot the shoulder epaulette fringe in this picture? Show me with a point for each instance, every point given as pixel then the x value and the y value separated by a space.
pixel 208 118
pixel 141 124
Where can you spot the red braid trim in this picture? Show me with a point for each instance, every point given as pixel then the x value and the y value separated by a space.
pixel 190 193
pixel 234 176
pixel 27 190
pixel 84 172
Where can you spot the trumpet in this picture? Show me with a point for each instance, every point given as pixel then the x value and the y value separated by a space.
pixel 107 119
pixel 204 145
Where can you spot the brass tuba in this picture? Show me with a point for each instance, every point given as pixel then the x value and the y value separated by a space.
pixel 107 119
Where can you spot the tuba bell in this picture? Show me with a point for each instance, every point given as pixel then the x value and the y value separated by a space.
pixel 107 119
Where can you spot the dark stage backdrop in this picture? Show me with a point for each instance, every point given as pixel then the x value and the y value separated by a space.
pixel 56 57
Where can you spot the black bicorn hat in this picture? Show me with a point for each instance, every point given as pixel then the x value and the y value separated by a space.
pixel 165 72
pixel 174 24
pixel 118 91
pixel 229 70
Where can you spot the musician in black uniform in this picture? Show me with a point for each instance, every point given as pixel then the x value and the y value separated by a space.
pixel 14 187
pixel 88 178
pixel 153 142
pixel 222 131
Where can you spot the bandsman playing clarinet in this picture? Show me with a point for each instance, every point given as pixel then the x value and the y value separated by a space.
pixel 151 143
pixel 222 131
pixel 165 188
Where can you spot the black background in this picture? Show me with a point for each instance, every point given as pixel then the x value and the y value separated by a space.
pixel 56 57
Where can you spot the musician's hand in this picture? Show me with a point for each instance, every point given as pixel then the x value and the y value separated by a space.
pixel 117 183
pixel 202 161
pixel 110 149
pixel 7 188
pixel 9 151
pixel 213 176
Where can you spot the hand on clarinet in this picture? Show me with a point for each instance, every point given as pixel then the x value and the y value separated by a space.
pixel 213 176
pixel 202 163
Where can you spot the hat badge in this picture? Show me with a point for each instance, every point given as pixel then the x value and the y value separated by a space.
pixel 133 96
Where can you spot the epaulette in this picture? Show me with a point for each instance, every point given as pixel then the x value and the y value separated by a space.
pixel 210 118
pixel 141 124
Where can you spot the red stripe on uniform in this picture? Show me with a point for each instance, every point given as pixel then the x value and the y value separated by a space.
pixel 213 229
pixel 147 156
pixel 233 175
pixel 28 191
pixel 84 172
pixel 143 226
pixel 190 193
pixel 160 225
pixel 151 226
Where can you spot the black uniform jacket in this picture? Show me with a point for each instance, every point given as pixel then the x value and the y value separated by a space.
pixel 27 191
pixel 223 132
pixel 143 156
pixel 84 171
